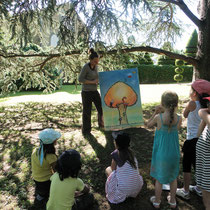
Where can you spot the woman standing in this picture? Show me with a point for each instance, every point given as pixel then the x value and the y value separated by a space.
pixel 89 79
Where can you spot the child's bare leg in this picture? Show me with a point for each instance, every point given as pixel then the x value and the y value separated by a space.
pixel 173 187
pixel 187 179
pixel 158 191
pixel 108 171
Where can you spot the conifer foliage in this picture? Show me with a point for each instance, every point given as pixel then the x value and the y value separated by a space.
pixel 81 24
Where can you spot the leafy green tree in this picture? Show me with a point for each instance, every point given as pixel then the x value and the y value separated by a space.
pixel 105 21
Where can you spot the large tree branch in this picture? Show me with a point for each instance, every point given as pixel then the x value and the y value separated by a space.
pixel 43 63
pixel 189 60
pixel 186 10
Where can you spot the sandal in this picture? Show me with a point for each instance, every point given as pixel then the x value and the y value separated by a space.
pixel 155 204
pixel 172 205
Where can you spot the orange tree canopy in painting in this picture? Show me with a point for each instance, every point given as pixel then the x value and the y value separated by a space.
pixel 118 93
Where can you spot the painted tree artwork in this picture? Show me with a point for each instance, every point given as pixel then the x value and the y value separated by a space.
pixel 121 101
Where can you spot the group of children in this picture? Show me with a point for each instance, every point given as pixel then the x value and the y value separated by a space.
pixel 196 151
pixel 57 178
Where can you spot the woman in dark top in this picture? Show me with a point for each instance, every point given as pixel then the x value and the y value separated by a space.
pixel 89 79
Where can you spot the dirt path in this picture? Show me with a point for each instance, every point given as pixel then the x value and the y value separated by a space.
pixel 149 93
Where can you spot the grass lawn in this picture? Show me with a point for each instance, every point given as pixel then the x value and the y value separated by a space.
pixel 20 126
pixel 72 89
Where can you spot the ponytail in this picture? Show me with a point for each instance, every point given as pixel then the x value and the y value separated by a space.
pixel 169 100
pixel 171 110
pixel 123 143
pixel 93 54
pixel 127 155
pixel 203 102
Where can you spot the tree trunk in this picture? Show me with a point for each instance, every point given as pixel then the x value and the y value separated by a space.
pixel 203 54
pixel 122 114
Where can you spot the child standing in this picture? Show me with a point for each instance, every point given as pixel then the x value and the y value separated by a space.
pixel 166 154
pixel 43 161
pixel 203 155
pixel 123 175
pixel 64 183
pixel 198 88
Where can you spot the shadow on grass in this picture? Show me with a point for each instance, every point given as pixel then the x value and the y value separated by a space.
pixel 20 126
pixel 15 181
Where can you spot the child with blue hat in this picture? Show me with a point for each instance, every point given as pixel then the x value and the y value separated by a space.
pixel 43 160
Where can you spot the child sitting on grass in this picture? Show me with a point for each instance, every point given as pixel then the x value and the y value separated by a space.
pixel 65 184
pixel 123 178
pixel 43 161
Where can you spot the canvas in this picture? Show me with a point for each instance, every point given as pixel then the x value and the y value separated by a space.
pixel 121 101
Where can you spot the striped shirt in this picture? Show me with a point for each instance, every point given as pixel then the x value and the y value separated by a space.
pixel 123 182
pixel 88 74
pixel 203 160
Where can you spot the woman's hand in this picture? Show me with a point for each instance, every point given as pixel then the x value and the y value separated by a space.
pixel 95 81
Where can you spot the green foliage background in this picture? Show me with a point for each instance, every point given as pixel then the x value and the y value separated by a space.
pixel 149 74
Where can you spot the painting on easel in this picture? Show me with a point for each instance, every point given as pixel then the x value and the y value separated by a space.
pixel 121 101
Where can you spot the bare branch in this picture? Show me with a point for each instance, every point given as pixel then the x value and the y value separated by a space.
pixel 189 60
pixel 186 10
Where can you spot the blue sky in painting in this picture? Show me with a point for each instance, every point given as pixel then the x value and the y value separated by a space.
pixel 128 76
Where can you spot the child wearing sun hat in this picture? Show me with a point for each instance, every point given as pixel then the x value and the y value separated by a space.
pixel 43 161
pixel 199 90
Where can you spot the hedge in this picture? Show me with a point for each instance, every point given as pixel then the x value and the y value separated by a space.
pixel 165 60
pixel 152 74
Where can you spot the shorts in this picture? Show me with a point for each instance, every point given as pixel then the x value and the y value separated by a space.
pixel 189 154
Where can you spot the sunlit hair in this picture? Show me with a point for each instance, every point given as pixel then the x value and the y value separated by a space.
pixel 170 101
pixel 93 54
pixel 123 143
pixel 68 164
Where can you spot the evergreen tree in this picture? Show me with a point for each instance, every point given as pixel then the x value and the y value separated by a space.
pixel 145 59
pixel 165 60
pixel 191 47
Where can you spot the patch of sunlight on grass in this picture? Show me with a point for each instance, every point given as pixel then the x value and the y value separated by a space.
pixel 4 99
pixel 21 176
pixel 6 155
pixel 24 166
pixel 8 201
pixel 71 89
